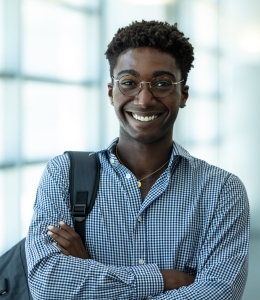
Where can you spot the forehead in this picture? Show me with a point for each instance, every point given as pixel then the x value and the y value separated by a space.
pixel 146 61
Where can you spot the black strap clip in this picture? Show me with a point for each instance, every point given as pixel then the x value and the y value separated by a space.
pixel 79 212
pixel 3 286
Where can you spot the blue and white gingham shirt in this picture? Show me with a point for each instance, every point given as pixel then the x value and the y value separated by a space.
pixel 194 219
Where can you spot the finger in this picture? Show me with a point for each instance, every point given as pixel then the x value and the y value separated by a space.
pixel 64 251
pixel 63 242
pixel 73 233
pixel 67 235
pixel 58 231
pixel 72 252
pixel 69 240
pixel 66 227
pixel 69 243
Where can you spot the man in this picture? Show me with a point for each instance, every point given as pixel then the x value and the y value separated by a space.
pixel 165 225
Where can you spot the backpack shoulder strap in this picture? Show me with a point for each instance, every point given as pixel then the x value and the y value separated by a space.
pixel 83 187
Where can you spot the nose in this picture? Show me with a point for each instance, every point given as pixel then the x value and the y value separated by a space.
pixel 145 97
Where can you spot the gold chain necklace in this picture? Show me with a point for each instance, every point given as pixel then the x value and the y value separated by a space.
pixel 139 180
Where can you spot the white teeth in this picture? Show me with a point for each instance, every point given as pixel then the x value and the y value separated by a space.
pixel 144 119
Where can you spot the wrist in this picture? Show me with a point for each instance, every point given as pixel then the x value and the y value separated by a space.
pixel 174 279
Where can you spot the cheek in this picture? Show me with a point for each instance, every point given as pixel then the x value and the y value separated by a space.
pixel 117 96
pixel 120 100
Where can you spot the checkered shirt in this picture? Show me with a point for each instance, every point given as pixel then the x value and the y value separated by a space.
pixel 195 219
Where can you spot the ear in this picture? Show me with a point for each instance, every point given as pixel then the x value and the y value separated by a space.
pixel 110 92
pixel 184 96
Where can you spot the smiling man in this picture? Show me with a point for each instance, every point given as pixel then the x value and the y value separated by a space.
pixel 165 225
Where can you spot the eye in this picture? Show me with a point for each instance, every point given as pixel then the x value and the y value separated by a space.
pixel 162 82
pixel 128 82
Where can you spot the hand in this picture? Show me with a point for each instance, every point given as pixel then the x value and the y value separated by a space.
pixel 174 279
pixel 68 240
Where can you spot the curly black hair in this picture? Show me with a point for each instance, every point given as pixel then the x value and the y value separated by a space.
pixel 160 35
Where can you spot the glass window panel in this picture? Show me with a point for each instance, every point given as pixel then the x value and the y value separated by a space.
pixel 1 35
pixel 112 124
pixel 10 208
pixel 2 214
pixel 238 156
pixel 205 24
pixel 126 12
pixel 204 77
pixel 207 152
pixel 57 118
pixel 17 194
pixel 10 120
pixel 30 177
pixel 83 3
pixel 2 125
pixel 198 122
pixel 92 54
pixel 59 42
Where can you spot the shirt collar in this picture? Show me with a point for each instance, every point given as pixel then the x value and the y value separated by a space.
pixel 177 151
pixel 109 148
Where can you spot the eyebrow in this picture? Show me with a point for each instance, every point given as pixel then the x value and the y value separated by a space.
pixel 155 74
pixel 130 71
pixel 159 73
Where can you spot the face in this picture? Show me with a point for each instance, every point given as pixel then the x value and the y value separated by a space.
pixel 147 63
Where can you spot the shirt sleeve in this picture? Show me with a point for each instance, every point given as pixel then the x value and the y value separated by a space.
pixel 52 275
pixel 223 260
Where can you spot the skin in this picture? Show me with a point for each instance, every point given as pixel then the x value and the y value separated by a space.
pixel 143 147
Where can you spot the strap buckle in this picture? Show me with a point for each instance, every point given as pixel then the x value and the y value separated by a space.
pixel 79 212
pixel 3 286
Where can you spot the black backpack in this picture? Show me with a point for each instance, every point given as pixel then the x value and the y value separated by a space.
pixel 83 185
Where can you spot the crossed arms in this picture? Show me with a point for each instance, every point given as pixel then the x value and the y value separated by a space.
pixel 70 243
pixel 221 260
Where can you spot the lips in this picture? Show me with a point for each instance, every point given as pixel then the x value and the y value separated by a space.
pixel 144 118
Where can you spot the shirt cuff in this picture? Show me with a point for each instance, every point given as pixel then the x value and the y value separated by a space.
pixel 149 281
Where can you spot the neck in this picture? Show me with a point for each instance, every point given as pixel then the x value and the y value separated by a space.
pixel 143 159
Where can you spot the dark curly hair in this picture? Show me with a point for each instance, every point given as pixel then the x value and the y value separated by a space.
pixel 160 35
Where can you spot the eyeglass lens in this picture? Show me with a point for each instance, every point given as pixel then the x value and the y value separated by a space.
pixel 130 85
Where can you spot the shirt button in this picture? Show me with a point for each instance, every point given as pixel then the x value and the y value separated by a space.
pixel 112 160
pixel 141 261
pixel 128 176
pixel 150 297
pixel 140 218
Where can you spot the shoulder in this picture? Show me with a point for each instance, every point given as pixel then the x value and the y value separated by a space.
pixel 57 170
pixel 61 161
pixel 204 173
pixel 218 192
pixel 216 174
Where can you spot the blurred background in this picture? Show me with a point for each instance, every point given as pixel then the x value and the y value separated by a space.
pixel 53 93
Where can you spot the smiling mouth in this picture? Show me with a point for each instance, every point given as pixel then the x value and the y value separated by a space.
pixel 144 119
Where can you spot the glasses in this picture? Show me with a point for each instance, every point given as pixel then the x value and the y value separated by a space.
pixel 161 86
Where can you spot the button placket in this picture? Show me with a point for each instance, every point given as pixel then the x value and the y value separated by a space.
pixel 139 242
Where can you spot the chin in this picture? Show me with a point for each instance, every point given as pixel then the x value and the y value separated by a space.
pixel 148 139
pixel 145 137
